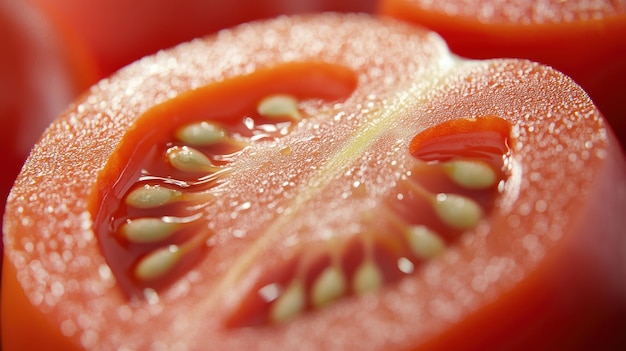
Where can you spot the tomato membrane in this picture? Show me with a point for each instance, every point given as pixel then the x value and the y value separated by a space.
pixel 278 186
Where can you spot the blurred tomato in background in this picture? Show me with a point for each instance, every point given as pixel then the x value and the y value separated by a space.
pixel 586 40
pixel 120 31
pixel 42 68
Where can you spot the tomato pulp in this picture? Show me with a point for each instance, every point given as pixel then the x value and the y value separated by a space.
pixel 279 186
pixel 584 40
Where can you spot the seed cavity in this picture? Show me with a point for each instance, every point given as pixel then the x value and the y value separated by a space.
pixel 148 230
pixel 472 174
pixel 279 105
pixel 397 240
pixel 185 163
pixel 196 157
pixel 457 211
pixel 151 196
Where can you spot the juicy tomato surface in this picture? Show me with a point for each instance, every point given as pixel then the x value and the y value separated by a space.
pixel 277 186
pixel 120 32
pixel 584 39
pixel 42 69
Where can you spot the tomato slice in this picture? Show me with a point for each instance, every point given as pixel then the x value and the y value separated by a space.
pixel 307 194
pixel 583 40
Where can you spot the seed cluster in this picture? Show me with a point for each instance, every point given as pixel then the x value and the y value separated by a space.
pixel 165 228
pixel 162 242
pixel 392 248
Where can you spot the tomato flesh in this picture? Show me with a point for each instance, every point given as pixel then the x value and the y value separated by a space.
pixel 294 225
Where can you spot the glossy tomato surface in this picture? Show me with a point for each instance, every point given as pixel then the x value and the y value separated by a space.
pixel 120 32
pixel 279 186
pixel 584 39
pixel 41 71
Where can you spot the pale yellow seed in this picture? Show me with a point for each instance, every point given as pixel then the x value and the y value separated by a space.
pixel 157 263
pixel 457 211
pixel 471 174
pixel 425 243
pixel 150 196
pixel 278 106
pixel 367 278
pixel 289 305
pixel 148 230
pixel 201 133
pixel 329 286
pixel 286 151
pixel 188 159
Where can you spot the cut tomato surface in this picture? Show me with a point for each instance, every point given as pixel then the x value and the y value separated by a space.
pixel 583 39
pixel 322 182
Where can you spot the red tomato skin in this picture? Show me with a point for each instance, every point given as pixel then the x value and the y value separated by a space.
pixel 120 32
pixel 509 320
pixel 42 69
pixel 591 51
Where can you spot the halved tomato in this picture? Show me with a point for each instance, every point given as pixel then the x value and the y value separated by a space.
pixel 585 40
pixel 323 182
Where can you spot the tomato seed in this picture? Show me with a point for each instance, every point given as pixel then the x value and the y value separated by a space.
pixel 158 263
pixel 150 196
pixel 201 134
pixel 147 230
pixel 473 174
pixel 457 211
pixel 188 159
pixel 425 243
pixel 279 106
pixel 328 287
pixel 367 278
pixel 290 303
